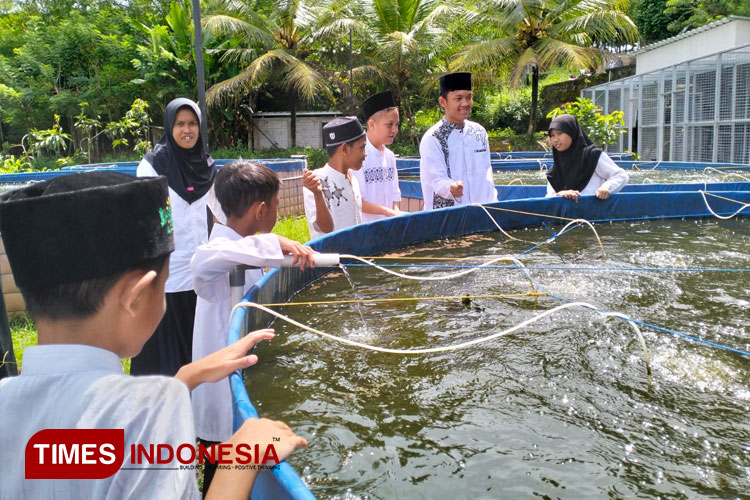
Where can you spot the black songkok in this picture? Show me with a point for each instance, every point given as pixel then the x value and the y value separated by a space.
pixel 342 130
pixel 82 226
pixel 377 102
pixel 455 81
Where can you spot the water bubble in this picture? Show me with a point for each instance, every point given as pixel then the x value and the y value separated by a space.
pixel 629 448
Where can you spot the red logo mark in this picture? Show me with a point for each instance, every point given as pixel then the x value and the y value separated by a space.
pixel 74 453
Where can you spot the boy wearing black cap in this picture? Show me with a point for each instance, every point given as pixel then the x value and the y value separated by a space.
pixel 378 178
pixel 93 277
pixel 454 165
pixel 332 196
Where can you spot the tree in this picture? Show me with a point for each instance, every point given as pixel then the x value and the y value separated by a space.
pixel 653 23
pixel 273 46
pixel 689 14
pixel 531 36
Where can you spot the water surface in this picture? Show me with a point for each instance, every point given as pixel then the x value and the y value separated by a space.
pixel 559 409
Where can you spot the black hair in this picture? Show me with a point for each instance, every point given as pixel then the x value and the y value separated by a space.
pixel 241 183
pixel 80 299
pixel 331 150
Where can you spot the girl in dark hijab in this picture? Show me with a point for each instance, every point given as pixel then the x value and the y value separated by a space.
pixel 181 156
pixel 579 166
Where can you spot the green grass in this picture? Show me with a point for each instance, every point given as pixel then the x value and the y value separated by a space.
pixel 293 227
pixel 23 331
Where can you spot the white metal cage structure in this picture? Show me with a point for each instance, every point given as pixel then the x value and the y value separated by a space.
pixel 698 110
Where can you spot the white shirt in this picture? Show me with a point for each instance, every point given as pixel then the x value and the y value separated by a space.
pixel 212 402
pixel 606 174
pixel 378 179
pixel 67 386
pixel 342 198
pixel 190 230
pixel 449 153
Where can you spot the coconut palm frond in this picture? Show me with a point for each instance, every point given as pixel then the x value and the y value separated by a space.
pixel 601 25
pixel 242 56
pixel 303 79
pixel 525 62
pixel 552 51
pixel 484 54
pixel 222 24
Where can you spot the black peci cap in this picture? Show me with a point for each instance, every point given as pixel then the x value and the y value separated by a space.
pixel 377 102
pixel 342 130
pixel 455 81
pixel 81 226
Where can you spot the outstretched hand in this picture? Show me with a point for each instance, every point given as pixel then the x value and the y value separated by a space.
pixel 223 362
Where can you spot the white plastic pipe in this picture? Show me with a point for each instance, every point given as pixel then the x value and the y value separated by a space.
pixel 320 259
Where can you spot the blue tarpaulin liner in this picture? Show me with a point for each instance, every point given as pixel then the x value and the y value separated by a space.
pixel 129 167
pixel 387 234
pixel 407 166
pixel 413 189
pixel 510 155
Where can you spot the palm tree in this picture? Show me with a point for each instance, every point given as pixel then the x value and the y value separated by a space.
pixel 398 39
pixel 272 47
pixel 530 36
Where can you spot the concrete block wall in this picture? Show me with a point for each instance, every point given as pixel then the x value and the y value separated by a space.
pixel 276 127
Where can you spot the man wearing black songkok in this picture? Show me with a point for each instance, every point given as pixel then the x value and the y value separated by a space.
pixel 454 165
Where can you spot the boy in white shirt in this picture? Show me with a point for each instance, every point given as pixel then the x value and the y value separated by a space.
pixel 249 197
pixel 378 178
pixel 332 196
pixel 90 253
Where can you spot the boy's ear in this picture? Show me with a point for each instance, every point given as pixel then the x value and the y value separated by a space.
pixel 442 102
pixel 133 286
pixel 262 210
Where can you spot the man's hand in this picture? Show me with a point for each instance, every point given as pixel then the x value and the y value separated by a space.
pixel 457 189
pixel 303 256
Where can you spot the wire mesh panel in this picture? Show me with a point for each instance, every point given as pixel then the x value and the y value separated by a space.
pixel 698 110
pixel 650 98
pixel 741 144
pixel 679 144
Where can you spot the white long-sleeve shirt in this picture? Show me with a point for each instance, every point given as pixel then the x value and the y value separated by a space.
pixel 378 179
pixel 69 386
pixel 212 402
pixel 190 230
pixel 449 153
pixel 342 198
pixel 606 174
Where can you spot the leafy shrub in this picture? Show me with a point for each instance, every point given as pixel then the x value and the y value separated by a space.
pixel 506 109
pixel 602 129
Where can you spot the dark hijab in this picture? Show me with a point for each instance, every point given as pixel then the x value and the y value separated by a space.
pixel 573 168
pixel 190 172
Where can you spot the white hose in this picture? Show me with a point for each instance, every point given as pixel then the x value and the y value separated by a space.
pixel 455 347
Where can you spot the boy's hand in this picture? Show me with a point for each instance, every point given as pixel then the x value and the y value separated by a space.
pixel 238 483
pixel 223 362
pixel 602 193
pixel 263 431
pixel 302 255
pixel 389 212
pixel 310 181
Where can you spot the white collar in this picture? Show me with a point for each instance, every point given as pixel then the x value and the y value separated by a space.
pixel 222 231
pixel 68 358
